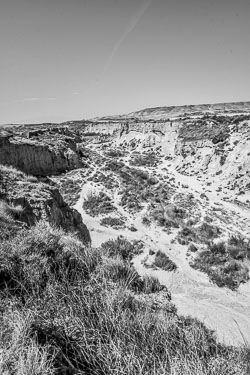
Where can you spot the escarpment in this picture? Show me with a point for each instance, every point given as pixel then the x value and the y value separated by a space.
pixel 27 200
pixel 206 144
pixel 41 152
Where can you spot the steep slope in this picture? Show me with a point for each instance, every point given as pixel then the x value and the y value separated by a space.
pixel 28 201
pixel 41 152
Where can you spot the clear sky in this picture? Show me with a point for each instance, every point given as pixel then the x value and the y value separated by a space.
pixel 73 59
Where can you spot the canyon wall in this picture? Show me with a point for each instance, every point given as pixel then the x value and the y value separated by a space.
pixel 39 201
pixel 40 156
pixel 215 147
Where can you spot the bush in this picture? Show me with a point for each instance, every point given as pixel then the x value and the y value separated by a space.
pixel 115 222
pixel 164 262
pixel 121 247
pixel 208 231
pixel 239 248
pixel 144 160
pixel 221 268
pixel 98 203
pixel 218 248
pixel 145 220
pixel 9 211
pixel 41 256
pixel 201 234
pixel 192 248
pixel 115 153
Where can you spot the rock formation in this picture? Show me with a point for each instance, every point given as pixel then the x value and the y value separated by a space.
pixel 40 152
pixel 37 201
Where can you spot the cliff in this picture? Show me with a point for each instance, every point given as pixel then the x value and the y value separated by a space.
pixel 40 152
pixel 30 201
pixel 206 144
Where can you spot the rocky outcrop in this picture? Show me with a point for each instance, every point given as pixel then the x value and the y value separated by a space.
pixel 40 154
pixel 37 201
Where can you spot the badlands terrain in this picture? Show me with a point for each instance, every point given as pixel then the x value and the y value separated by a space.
pixel 194 159
pixel 172 184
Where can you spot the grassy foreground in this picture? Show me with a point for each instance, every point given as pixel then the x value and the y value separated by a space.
pixel 69 309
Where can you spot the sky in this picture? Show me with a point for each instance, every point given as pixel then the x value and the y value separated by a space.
pixel 77 59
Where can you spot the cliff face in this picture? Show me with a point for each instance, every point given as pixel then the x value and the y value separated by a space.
pixel 39 201
pixel 207 145
pixel 224 157
pixel 40 154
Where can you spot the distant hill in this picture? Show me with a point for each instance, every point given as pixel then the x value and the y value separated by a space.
pixel 158 113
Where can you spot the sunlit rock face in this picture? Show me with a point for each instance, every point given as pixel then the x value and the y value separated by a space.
pixel 205 140
pixel 40 153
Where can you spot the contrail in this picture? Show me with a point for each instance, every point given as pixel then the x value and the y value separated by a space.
pixel 132 24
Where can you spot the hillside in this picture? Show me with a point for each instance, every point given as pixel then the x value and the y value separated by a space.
pixel 168 112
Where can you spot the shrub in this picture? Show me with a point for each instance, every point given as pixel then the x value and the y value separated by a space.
pixel 40 256
pixel 208 231
pixel 145 220
pixel 10 211
pixel 192 248
pixel 221 267
pixel 164 262
pixel 115 153
pixel 121 247
pixel 98 203
pixel 218 248
pixel 239 248
pixel 151 284
pixel 112 222
pixel 143 160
